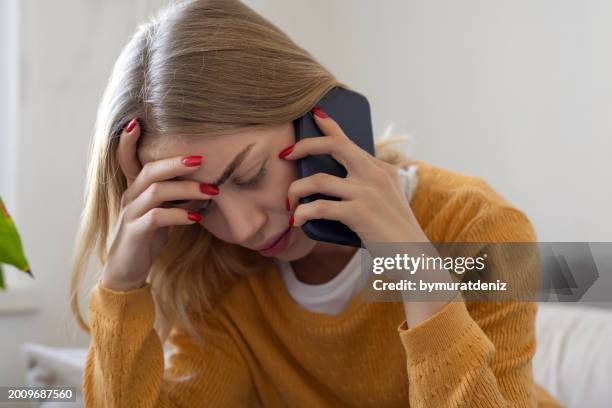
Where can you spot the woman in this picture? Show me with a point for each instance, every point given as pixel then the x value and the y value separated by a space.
pixel 193 168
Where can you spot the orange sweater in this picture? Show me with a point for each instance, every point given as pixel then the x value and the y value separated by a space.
pixel 263 348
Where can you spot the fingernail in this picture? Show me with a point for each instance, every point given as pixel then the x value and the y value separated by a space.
pixel 291 220
pixel 192 161
pixel 194 216
pixel 287 206
pixel 285 152
pixel 131 125
pixel 209 189
pixel 319 112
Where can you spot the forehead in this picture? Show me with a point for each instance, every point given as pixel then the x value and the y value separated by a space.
pixel 171 146
pixel 216 151
pixel 218 146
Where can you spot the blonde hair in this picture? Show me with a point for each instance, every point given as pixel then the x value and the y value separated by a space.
pixel 197 68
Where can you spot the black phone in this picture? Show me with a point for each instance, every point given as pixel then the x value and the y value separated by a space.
pixel 351 111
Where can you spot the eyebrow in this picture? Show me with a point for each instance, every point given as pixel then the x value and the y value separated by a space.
pixel 231 168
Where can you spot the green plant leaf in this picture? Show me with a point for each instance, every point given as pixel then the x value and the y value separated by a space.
pixel 2 285
pixel 11 249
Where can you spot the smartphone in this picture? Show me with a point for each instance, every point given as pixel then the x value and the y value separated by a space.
pixel 351 111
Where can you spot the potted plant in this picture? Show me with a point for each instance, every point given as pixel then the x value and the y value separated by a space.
pixel 11 250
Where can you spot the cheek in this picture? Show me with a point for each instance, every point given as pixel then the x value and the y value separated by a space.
pixel 286 173
pixel 214 225
pixel 271 197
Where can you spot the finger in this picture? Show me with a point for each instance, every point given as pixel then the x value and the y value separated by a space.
pixel 331 128
pixel 126 151
pixel 160 170
pixel 321 209
pixel 328 125
pixel 160 192
pixel 347 153
pixel 327 184
pixel 163 217
pixel 334 142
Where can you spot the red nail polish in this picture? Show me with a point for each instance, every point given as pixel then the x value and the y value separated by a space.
pixel 131 125
pixel 286 151
pixel 194 216
pixel 192 161
pixel 209 189
pixel 291 220
pixel 319 112
pixel 287 206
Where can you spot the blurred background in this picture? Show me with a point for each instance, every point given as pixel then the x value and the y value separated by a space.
pixel 518 93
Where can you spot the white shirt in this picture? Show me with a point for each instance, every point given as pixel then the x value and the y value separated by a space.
pixel 331 297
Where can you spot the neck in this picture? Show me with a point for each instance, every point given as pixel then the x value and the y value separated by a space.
pixel 323 263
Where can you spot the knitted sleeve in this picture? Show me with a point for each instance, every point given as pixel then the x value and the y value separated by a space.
pixel 125 360
pixel 477 353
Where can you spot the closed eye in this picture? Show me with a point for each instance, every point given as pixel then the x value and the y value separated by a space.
pixel 192 204
pixel 177 202
pixel 202 205
pixel 254 182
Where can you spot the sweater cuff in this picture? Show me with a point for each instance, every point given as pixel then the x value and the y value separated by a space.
pixel 135 304
pixel 448 328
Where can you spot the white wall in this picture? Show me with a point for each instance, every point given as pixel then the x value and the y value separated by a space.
pixel 9 56
pixel 67 50
pixel 519 93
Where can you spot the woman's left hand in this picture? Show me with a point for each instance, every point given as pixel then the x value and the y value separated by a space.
pixel 372 205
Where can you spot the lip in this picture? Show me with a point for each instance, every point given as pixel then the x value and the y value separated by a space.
pixel 272 242
pixel 274 246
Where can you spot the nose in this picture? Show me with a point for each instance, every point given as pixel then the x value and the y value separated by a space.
pixel 244 218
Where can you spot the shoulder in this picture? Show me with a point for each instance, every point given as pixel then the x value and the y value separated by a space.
pixel 440 185
pixel 448 203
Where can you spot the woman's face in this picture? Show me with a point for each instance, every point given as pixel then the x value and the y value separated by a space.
pixel 250 208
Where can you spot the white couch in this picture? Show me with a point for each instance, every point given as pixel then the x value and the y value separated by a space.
pixel 573 359
pixel 574 354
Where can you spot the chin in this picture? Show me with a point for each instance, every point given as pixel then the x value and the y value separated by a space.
pixel 299 247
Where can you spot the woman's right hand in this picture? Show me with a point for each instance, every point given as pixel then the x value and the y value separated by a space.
pixel 142 227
